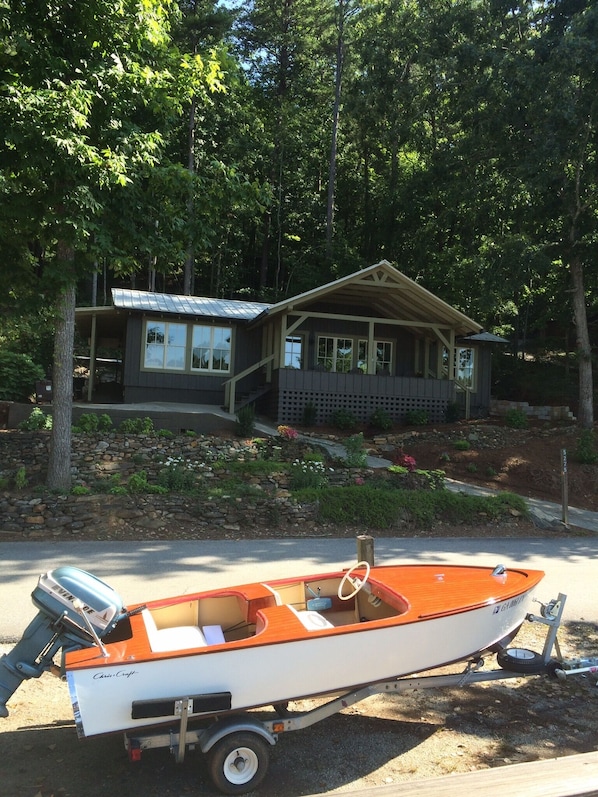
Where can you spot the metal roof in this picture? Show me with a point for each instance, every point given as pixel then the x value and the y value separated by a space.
pixel 174 304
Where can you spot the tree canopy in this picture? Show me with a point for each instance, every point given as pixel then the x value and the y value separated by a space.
pixel 263 148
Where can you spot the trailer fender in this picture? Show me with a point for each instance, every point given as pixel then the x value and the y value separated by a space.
pixel 229 725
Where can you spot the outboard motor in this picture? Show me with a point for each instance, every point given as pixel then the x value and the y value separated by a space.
pixel 76 610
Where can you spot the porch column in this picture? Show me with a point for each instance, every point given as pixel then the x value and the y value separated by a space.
pixel 371 350
pixel 92 357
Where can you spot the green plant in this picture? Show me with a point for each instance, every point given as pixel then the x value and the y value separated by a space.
pixel 138 483
pixel 380 420
pixel 178 475
pixel 306 475
pixel 471 467
pixel 105 423
pixel 356 453
pixel 445 457
pixel 585 451
pixel 21 478
pixel 87 423
pixel 516 419
pixel 309 415
pixel 343 419
pixel 164 433
pixel 18 375
pixel 245 421
pixel 490 472
pixel 417 417
pixel 136 426
pixel 36 421
pixel 80 489
pixel 462 445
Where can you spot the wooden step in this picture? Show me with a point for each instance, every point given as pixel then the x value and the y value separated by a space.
pixel 570 776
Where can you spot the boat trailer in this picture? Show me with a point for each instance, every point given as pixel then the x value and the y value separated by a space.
pixel 237 746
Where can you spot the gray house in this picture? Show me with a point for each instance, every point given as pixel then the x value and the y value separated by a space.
pixel 373 339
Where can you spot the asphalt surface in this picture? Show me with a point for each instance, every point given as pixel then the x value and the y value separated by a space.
pixel 151 570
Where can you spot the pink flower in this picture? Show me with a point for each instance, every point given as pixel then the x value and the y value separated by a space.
pixel 287 433
pixel 359 480
pixel 406 462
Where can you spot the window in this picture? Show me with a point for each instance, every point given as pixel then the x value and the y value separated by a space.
pixel 165 346
pixel 464 367
pixel 211 349
pixel 383 356
pixel 342 355
pixel 293 357
pixel 335 354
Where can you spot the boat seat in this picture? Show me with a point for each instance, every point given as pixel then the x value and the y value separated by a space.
pixel 179 637
pixel 213 634
pixel 311 621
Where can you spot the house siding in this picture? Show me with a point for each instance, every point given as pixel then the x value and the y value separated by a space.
pixel 187 388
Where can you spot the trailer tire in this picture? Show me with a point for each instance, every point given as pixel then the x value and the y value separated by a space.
pixel 521 660
pixel 238 763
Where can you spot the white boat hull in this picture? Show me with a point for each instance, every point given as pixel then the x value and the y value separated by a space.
pixel 263 675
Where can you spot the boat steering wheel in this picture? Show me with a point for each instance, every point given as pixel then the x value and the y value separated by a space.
pixel 357 583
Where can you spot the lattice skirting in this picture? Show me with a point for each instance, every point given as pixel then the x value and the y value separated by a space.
pixel 292 404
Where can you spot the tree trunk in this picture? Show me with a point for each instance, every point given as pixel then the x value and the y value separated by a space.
pixel 59 464
pixel 340 47
pixel 585 412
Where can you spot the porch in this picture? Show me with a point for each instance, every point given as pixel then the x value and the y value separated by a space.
pixel 360 394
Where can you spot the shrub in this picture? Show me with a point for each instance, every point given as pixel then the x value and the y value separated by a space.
pixel 516 419
pixel 18 375
pixel 462 445
pixel 136 426
pixel 381 508
pixel 586 448
pixel 36 421
pixel 165 433
pixel 343 419
pixel 138 483
pixel 471 467
pixel 356 453
pixel 307 475
pixel 80 489
pixel 178 475
pixel 245 421
pixel 310 415
pixel 87 423
pixel 404 461
pixel 381 420
pixel 416 417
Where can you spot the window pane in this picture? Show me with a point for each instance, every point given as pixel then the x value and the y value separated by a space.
pixel 155 333
pixel 293 351
pixel 177 334
pixel 344 355
pixel 154 356
pixel 211 349
pixel 325 352
pixel 465 366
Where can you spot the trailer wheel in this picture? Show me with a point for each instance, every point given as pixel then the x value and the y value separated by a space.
pixel 238 763
pixel 521 660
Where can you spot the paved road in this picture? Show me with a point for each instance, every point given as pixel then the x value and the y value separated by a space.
pixel 140 571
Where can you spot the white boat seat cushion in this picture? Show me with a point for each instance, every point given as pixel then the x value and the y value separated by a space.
pixel 180 637
pixel 312 621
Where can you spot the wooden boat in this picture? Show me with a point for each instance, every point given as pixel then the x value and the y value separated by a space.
pixel 261 644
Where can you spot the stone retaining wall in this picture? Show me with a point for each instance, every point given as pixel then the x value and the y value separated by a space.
pixel 543 413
